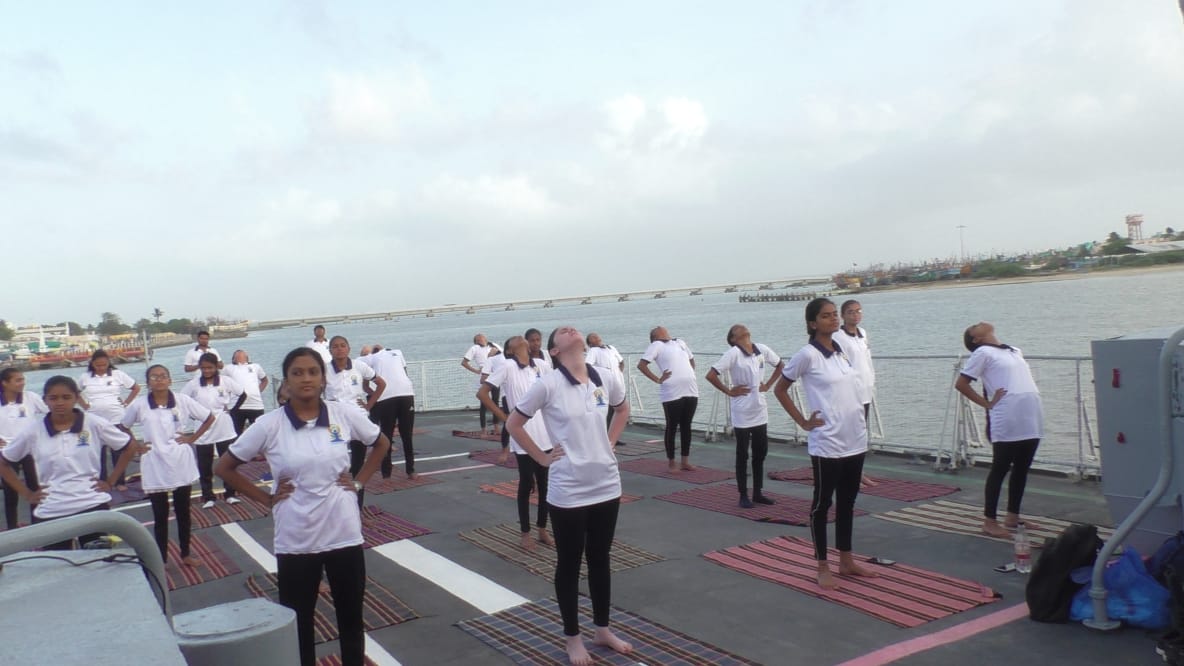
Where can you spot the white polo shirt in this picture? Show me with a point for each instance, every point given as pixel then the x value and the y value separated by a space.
pixel 574 415
pixel 492 363
pixel 319 515
pixel 322 348
pixel 105 392
pixel 1020 414
pixel 169 464
pixel 675 356
pixel 391 365
pixel 248 376
pixel 217 395
pixel 348 385
pixel 194 355
pixel 15 416
pixel 515 380
pixel 605 357
pixel 860 352
pixel 833 389
pixel 67 462
pixel 748 370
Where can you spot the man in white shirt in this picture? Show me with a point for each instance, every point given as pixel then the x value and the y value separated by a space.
pixel 678 389
pixel 395 408
pixel 203 347
pixel 320 343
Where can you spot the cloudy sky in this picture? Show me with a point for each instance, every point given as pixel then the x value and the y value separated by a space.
pixel 268 159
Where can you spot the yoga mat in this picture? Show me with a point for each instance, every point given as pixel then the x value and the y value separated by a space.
pixel 380 607
pixel 895 489
pixel 510 489
pixel 635 447
pixel 335 660
pixel 724 498
pixel 379 527
pixel 222 513
pixel 505 542
pixel 967 519
pixel 215 563
pixel 533 634
pixel 902 595
pixel 660 468
pixel 477 434
pixel 490 456
pixel 398 481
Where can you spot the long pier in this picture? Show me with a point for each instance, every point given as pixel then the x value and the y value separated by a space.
pixel 390 315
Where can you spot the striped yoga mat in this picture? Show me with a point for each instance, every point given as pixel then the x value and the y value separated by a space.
pixel 510 489
pixel 380 607
pixel 477 434
pixel 660 468
pixel 724 498
pixel 967 519
pixel 640 447
pixel 895 489
pixel 505 542
pixel 490 456
pixel 215 563
pixel 255 470
pixel 335 660
pixel 379 527
pixel 222 513
pixel 398 481
pixel 533 634
pixel 903 595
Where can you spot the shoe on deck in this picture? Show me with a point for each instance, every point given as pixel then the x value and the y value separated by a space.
pixel 232 500
pixel 745 503
pixel 209 504
pixel 761 499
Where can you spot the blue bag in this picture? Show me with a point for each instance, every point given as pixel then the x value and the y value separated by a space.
pixel 1132 595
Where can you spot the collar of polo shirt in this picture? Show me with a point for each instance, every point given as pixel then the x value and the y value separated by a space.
pixel 826 353
pixel 1002 346
pixel 74 429
pixel 20 398
pixel 152 401
pixel 298 423
pixel 216 381
pixel 857 334
pixel 755 350
pixel 523 366
pixel 349 365
pixel 592 374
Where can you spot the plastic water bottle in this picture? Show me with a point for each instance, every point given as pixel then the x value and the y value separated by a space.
pixel 1023 550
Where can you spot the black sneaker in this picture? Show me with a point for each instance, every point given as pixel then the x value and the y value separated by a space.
pixel 761 499
pixel 745 503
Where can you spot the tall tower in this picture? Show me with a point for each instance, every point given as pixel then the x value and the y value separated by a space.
pixel 1134 227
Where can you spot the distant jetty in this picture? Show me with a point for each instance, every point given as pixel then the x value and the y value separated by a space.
pixel 782 297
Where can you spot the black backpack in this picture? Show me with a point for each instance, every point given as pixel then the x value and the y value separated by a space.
pixel 1050 590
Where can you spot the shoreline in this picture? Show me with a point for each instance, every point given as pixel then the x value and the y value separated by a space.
pixel 1023 279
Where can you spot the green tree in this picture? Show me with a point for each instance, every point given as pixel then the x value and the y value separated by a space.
pixel 75 327
pixel 111 324
pixel 6 333
pixel 1116 244
pixel 157 313
pixel 142 325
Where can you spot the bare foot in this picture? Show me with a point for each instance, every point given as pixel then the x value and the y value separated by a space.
pixel 577 654
pixel 505 455
pixel 993 528
pixel 849 567
pixel 191 561
pixel 825 580
pixel 121 488
pixel 686 464
pixel 672 467
pixel 1012 520
pixel 412 476
pixel 605 636
pixel 545 537
pixel 866 481
pixel 527 542
pixel 324 588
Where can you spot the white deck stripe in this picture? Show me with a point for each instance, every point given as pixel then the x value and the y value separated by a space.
pixel 456 469
pixel 418 459
pixel 468 586
pixel 378 654
pixel 252 547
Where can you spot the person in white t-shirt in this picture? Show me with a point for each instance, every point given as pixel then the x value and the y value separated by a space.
pixel 395 405
pixel 320 343
pixel 102 387
pixel 253 379
pixel 318 524
pixel 168 464
pixel 492 361
pixel 853 338
pixel 202 347
pixel 347 382
pixel 584 485
pixel 18 408
pixel 474 361
pixel 219 394
pixel 745 363
pixel 678 389
pixel 65 446
pixel 1015 419
pixel 837 439
pixel 515 376
pixel 603 355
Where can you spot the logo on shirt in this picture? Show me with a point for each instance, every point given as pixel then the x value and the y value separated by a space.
pixel 353 380
pixel 335 431
pixel 84 438
pixel 599 395
pixel 23 412
pixel 176 415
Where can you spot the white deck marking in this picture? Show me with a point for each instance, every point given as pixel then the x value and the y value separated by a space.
pixel 252 547
pixel 468 586
pixel 418 459
pixel 456 469
pixel 378 654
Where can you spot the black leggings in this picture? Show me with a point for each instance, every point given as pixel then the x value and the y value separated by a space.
pixel 1014 457
pixel 205 469
pixel 122 480
pixel 505 432
pixel 495 394
pixel 11 498
pixel 240 418
pixel 83 539
pixel 679 414
pixel 839 477
pixel 357 458
pixel 530 475
pixel 584 532
pixel 160 516
pixel 392 413
pixel 299 582
pixel 759 437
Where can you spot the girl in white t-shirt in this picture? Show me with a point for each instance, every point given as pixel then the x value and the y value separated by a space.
pixel 837 439
pixel 18 408
pixel 318 524
pixel 346 382
pixel 221 394
pixel 1015 419
pixel 584 485
pixel 102 387
pixel 168 464
pixel 66 446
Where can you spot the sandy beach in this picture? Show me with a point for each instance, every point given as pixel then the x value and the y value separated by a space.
pixel 1043 277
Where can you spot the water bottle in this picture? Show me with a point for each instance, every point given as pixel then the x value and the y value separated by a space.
pixel 1023 550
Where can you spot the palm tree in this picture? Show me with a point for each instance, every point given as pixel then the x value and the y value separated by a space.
pixel 157 313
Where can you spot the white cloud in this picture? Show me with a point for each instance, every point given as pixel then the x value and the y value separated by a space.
pixel 371 107
pixel 505 198
pixel 686 123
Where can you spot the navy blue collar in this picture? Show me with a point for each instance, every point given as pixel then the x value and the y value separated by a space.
pixel 756 351
pixel 105 374
pixel 216 381
pixel 74 429
pixel 523 366
pixel 152 401
pixel 826 353
pixel 349 365
pixel 198 348
pixel 858 332
pixel 1002 346
pixel 20 398
pixel 298 423
pixel 592 374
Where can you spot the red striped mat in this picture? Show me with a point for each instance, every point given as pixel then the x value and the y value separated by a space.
pixel 510 489
pixel 661 469
pixel 335 660
pixel 638 447
pixel 490 456
pixel 967 519
pixel 505 541
pixel 222 513
pixel 398 481
pixel 254 470
pixel 380 607
pixel 476 434
pixel 902 595
pixel 895 489
pixel 724 498
pixel 215 564
pixel 379 527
